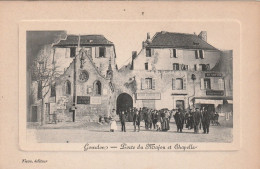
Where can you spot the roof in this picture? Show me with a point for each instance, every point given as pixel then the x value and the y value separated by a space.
pixel 85 40
pixel 179 40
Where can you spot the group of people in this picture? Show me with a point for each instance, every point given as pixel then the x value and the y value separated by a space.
pixel 159 119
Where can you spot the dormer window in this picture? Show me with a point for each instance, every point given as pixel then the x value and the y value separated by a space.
pixel 102 52
pixel 72 52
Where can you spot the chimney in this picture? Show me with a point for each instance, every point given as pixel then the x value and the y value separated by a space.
pixel 203 35
pixel 134 54
pixel 148 35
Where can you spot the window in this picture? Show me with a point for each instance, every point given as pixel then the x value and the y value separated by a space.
pixel 72 52
pixel 102 52
pixel 204 67
pixel 146 66
pixel 148 52
pixel 201 52
pixel 68 87
pixel 53 90
pixel 148 83
pixel 39 95
pixel 174 53
pixel 176 66
pixel 179 84
pixel 184 67
pixel 207 84
pixel 195 67
pixel 97 87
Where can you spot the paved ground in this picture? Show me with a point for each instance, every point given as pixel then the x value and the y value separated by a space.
pixel 93 132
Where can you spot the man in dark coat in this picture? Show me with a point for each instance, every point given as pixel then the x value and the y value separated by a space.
pixel 205 121
pixel 179 119
pixel 123 119
pixel 196 120
pixel 137 120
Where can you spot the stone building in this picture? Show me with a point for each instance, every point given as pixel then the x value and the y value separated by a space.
pixel 172 70
pixel 85 89
pixel 176 70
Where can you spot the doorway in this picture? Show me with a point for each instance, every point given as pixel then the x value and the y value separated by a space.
pixel 124 101
pixel 34 114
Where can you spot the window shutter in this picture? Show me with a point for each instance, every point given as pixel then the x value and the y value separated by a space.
pixel 202 83
pixel 196 54
pixel 105 52
pixel 184 83
pixel 201 52
pixel 221 84
pixel 152 51
pixel 142 83
pixel 171 53
pixel 97 52
pixel 153 84
pixel 175 53
pixel 173 84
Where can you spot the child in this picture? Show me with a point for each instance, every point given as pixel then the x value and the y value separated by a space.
pixel 158 125
pixel 113 125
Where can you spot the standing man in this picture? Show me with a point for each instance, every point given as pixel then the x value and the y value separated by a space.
pixel 205 121
pixel 179 119
pixel 196 120
pixel 122 119
pixel 137 120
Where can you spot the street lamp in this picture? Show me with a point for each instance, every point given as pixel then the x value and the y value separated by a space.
pixel 193 78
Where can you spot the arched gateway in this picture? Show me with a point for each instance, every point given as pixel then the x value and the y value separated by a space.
pixel 123 102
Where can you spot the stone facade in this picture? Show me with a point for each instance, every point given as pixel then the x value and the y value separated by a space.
pixel 171 71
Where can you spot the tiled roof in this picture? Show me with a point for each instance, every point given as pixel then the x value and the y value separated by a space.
pixel 179 40
pixel 85 40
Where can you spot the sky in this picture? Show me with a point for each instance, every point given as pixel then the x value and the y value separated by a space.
pixel 127 36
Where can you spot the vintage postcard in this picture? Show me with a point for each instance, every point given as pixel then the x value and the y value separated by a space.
pixel 134 85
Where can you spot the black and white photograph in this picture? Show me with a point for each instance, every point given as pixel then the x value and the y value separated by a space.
pixel 130 82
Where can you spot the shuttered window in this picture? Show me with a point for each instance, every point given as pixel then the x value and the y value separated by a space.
pixel 179 84
pixel 176 66
pixel 148 83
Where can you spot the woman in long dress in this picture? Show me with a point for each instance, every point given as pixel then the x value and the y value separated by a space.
pixel 113 126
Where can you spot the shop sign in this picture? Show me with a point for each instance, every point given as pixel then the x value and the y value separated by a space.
pixel 215 92
pixel 83 99
pixel 148 96
pixel 95 100
pixel 213 74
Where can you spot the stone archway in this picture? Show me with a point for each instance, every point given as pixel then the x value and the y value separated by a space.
pixel 123 102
